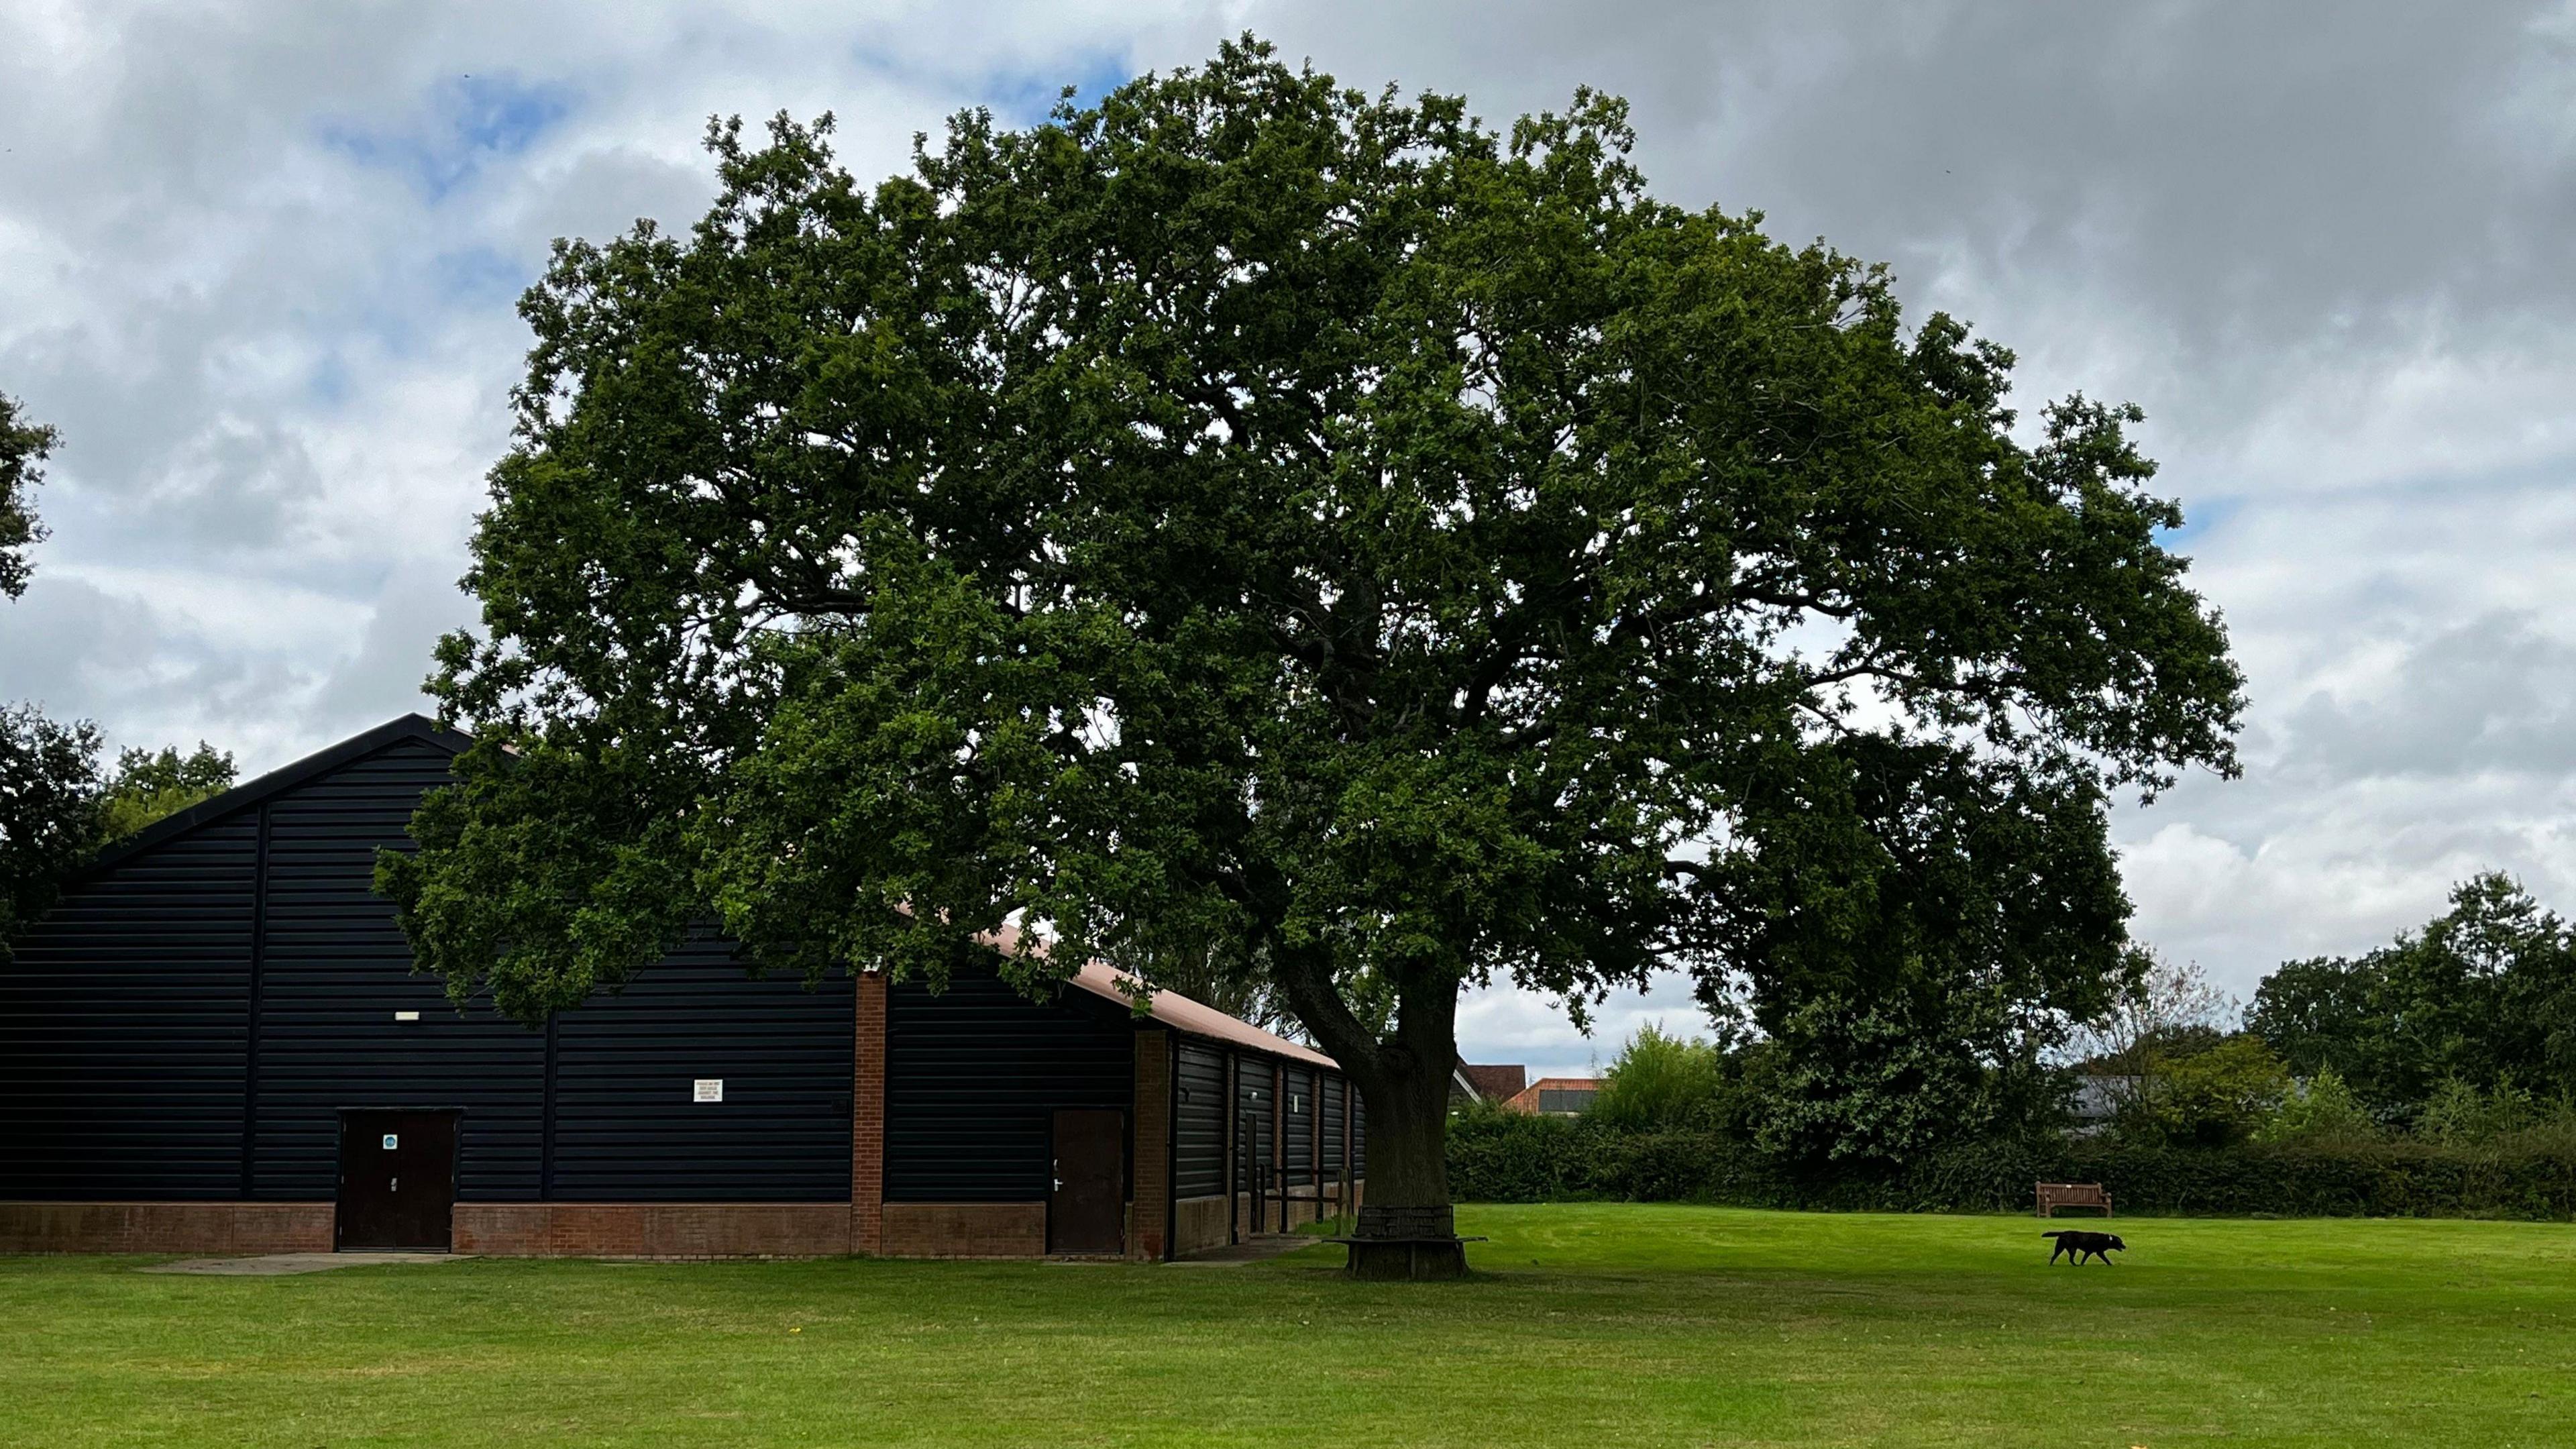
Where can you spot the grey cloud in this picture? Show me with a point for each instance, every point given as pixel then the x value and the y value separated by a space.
pixel 58 642
pixel 383 678
pixel 603 192
pixel 2237 162
pixel 2492 695
pixel 81 650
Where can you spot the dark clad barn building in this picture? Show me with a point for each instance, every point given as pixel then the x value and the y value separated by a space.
pixel 217 1043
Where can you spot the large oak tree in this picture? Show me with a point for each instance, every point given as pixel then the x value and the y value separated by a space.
pixel 1255 522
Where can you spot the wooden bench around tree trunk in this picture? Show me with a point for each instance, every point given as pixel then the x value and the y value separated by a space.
pixel 2055 1195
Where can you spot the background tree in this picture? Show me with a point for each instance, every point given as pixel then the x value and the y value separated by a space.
pixel 24 446
pixel 49 811
pixel 2161 1006
pixel 2212 1095
pixel 148 784
pixel 2484 995
pixel 1660 1080
pixel 1253 510
pixel 2321 1109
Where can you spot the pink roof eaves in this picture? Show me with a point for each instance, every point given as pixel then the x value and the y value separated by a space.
pixel 1197 1018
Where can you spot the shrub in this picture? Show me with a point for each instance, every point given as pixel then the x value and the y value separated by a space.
pixel 1532 1159
pixel 2323 1109
pixel 1662 1081
pixel 2212 1097
pixel 2461 1114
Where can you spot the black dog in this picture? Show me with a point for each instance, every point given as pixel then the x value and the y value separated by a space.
pixel 2078 1243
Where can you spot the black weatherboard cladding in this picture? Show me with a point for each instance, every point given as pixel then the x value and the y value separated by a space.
pixel 1359 1139
pixel 1255 1131
pixel 627 1127
pixel 1334 1096
pixel 1297 1144
pixel 1198 1123
pixel 127 1022
pixel 334 971
pixel 974 1076
pixel 122 1060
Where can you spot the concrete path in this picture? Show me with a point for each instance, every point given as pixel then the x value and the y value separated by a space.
pixel 1261 1247
pixel 271 1265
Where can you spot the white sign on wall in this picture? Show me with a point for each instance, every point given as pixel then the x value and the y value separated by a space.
pixel 708 1089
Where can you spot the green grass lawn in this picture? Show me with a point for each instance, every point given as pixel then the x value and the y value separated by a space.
pixel 1590 1326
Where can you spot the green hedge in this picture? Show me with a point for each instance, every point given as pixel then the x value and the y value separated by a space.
pixel 1494 1158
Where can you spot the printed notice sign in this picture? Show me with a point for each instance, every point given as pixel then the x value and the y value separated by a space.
pixel 709 1089
pixel 391 1141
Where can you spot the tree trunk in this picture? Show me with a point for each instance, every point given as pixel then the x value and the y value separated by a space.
pixel 1406 1199
pixel 1404 1083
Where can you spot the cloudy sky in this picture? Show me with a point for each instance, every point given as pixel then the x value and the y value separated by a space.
pixel 257 263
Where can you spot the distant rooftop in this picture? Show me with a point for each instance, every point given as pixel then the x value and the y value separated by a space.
pixel 1556 1096
pixel 1498 1082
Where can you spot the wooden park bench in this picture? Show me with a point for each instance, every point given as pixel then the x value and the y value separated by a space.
pixel 2055 1195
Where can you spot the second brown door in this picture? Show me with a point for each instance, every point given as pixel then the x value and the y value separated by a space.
pixel 1087 1210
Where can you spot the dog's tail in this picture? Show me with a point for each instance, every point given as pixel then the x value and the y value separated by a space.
pixel 2058 1234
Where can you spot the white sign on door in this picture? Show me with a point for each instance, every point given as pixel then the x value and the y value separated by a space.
pixel 708 1089
pixel 390 1141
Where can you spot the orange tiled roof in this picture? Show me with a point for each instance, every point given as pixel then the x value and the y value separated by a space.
pixel 1527 1099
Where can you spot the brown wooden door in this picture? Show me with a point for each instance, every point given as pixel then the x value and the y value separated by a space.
pixel 1087 1211
pixel 1247 1171
pixel 397 1180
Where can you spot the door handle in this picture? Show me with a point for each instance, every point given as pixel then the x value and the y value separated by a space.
pixel 396 1187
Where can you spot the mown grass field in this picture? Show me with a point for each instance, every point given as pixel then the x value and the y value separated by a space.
pixel 1591 1325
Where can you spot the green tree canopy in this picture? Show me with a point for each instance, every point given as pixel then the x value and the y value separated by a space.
pixel 49 811
pixel 1661 1080
pixel 24 446
pixel 58 808
pixel 1256 511
pixel 149 784
pixel 2218 1095
pixel 2484 995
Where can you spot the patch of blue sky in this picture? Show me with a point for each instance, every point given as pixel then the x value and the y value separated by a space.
pixel 2199 516
pixel 463 125
pixel 1019 97
pixel 422 296
pixel 1030 96
pixel 480 274
pixel 327 382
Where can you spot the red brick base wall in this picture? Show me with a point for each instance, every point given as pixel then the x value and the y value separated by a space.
pixel 653 1230
pixel 576 1229
pixel 165 1227
pixel 965 1230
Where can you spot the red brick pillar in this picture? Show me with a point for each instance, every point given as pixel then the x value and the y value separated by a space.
pixel 867 1118
pixel 1150 1208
